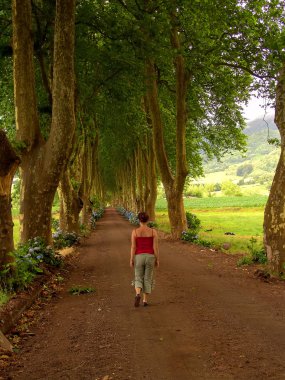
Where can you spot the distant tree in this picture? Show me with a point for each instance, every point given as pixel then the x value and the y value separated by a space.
pixel 210 188
pixel 217 187
pixel 231 189
pixel 244 170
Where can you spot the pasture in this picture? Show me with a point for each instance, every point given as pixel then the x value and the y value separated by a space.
pixel 241 216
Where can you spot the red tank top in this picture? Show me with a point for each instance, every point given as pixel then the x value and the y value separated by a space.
pixel 144 245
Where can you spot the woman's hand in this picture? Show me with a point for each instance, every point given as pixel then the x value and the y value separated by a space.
pixel 132 263
pixel 157 263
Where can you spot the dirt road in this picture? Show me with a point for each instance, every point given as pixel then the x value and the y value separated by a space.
pixel 207 319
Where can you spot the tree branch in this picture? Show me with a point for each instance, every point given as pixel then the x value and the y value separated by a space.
pixel 244 68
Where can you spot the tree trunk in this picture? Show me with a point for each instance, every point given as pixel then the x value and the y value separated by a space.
pixel 173 185
pixel 89 155
pixel 42 162
pixel 140 177
pixel 176 213
pixel 151 167
pixel 9 163
pixel 152 180
pixel 274 215
pixel 70 204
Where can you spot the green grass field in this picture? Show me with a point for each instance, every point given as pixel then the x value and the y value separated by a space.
pixel 218 202
pixel 242 216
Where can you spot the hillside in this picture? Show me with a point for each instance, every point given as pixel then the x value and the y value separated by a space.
pixel 256 166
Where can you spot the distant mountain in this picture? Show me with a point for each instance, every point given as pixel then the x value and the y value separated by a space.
pixel 257 165
pixel 260 125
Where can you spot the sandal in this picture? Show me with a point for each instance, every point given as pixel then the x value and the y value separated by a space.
pixel 137 300
pixel 145 303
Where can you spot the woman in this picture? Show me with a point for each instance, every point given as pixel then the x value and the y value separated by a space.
pixel 144 256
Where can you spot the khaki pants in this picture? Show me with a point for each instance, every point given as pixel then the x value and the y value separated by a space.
pixel 144 268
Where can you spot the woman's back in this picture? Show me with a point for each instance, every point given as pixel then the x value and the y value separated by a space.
pixel 144 232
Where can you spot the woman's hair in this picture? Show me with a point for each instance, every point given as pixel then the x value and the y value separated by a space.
pixel 143 217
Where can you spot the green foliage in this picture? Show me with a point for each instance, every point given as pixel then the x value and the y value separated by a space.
pixel 194 191
pixel 152 224
pixel 62 239
pixel 193 222
pixel 96 215
pixel 246 260
pixel 129 215
pixel 256 254
pixel 78 289
pixel 27 264
pixel 244 170
pixel 54 224
pixel 4 298
pixel 231 189
pixel 190 236
pixel 194 225
pixel 16 191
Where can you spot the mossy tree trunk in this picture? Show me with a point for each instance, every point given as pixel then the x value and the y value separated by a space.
pixel 42 161
pixel 9 163
pixel 274 215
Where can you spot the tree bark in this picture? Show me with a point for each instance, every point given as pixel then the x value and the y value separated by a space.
pixel 151 167
pixel 152 181
pixel 70 204
pixel 9 163
pixel 274 215
pixel 42 162
pixel 173 185
pixel 86 185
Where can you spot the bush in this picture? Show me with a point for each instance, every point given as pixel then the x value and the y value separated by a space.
pixel 96 215
pixel 62 239
pixel 28 260
pixel 54 224
pixel 217 187
pixel 231 189
pixel 193 237
pixel 193 222
pixel 194 191
pixel 244 170
pixel 256 254
pixel 129 215
pixel 189 236
pixel 152 224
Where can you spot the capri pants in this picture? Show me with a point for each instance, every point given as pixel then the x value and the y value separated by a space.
pixel 144 268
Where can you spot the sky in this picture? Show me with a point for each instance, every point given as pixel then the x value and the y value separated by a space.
pixel 254 111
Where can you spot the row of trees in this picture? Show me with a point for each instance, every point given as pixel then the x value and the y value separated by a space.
pixel 111 96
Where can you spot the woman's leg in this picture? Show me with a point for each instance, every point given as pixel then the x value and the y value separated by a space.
pixel 139 275
pixel 148 276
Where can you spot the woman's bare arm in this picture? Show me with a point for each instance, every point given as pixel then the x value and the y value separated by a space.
pixel 133 249
pixel 156 248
